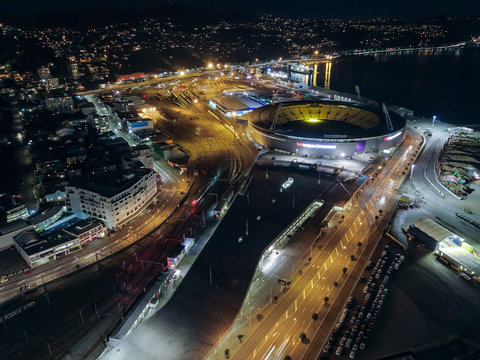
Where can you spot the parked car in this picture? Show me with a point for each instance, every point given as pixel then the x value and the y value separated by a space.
pixel 339 351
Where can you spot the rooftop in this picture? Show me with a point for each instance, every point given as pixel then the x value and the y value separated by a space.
pixel 82 226
pixel 33 243
pixel 45 212
pixel 111 184
pixel 433 229
pixel 236 103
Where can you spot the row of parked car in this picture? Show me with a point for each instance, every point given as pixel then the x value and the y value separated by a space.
pixel 365 314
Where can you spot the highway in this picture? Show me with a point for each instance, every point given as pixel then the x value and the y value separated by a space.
pixel 278 334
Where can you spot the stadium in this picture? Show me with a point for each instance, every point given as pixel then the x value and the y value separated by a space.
pixel 325 128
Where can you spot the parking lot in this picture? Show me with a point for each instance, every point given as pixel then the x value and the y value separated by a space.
pixel 351 335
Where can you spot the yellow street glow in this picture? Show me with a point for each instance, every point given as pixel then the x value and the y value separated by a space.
pixel 313 120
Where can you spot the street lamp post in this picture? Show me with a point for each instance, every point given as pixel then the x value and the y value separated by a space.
pixel 433 121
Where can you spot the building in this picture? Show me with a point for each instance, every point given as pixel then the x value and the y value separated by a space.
pixel 59 105
pixel 44 73
pixel 331 129
pixel 140 125
pixel 449 247
pixel 113 198
pixel 233 106
pixel 429 232
pixel 46 215
pixel 87 230
pixel 144 153
pixel 100 123
pixel 51 83
pixel 131 78
pixel 14 208
pixel 73 71
pixel 37 247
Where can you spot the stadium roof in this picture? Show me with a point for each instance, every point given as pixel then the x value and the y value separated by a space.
pixel 325 119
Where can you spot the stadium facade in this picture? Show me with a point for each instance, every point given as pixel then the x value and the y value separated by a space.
pixel 325 128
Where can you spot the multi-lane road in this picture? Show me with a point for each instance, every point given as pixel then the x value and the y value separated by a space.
pixel 278 334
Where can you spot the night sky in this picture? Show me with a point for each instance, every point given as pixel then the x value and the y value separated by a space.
pixel 319 9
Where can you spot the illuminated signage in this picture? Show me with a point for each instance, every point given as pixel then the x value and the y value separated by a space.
pixel 391 137
pixel 316 146
pixel 139 124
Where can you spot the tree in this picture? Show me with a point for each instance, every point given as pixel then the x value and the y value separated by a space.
pixel 315 316
pixel 380 211
pixel 344 270
pixel 259 317
pixel 288 357
pixel 303 336
pixel 240 338
pixel 335 283
pixel 227 353
pixel 309 259
pixel 359 244
pixel 326 299
pixel 275 298
pixel 352 257
pixel 376 217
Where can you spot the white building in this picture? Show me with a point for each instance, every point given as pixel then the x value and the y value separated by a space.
pixel 38 248
pixel 115 199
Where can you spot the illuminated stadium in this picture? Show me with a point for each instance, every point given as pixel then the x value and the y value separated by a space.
pixel 325 129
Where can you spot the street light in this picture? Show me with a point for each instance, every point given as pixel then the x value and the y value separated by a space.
pixel 210 66
pixel 433 120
